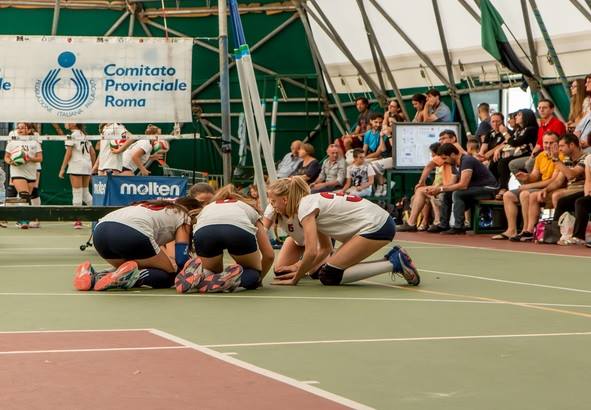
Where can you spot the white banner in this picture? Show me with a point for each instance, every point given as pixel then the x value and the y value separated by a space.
pixel 95 79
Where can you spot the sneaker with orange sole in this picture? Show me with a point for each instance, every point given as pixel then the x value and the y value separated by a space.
pixel 227 281
pixel 189 278
pixel 124 277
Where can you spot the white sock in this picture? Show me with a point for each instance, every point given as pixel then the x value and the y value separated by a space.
pixel 77 196
pixel 86 197
pixel 365 270
pixel 36 201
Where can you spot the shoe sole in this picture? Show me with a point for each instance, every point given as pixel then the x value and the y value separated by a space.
pixel 224 282
pixel 409 271
pixel 83 277
pixel 189 278
pixel 124 277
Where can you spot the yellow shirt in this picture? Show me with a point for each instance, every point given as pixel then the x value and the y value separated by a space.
pixel 545 165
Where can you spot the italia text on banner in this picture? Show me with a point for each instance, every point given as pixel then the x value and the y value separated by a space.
pixel 95 79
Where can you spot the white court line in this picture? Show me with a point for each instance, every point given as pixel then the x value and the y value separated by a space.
pixel 310 382
pixel 263 372
pixel 139 293
pixel 105 349
pixel 398 339
pixel 484 248
pixel 8 250
pixel 537 285
pixel 25 332
pixel 59 265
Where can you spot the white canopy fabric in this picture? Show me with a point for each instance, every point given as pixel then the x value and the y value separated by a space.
pixel 569 30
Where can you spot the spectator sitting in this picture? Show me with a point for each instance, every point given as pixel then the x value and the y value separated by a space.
pixel 421 203
pixel 473 147
pixel 355 138
pixel 309 167
pixel 372 139
pixel 539 178
pixel 484 116
pixel 202 192
pixel 359 176
pixel 548 122
pixel 587 100
pixel 392 115
pixel 493 142
pixel 567 182
pixel 582 210
pixel 436 110
pixel 418 103
pixel 476 182
pixel 421 197
pixel 519 145
pixel 290 162
pixel 332 174
pixel 576 113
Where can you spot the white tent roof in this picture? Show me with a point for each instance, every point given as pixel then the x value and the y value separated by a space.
pixel 569 29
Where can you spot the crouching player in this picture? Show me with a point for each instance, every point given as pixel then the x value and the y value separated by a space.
pixel 229 222
pixel 362 227
pixel 132 240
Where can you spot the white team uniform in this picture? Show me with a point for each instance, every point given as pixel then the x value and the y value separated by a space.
pixel 29 169
pixel 158 224
pixel 80 162
pixel 143 145
pixel 343 216
pixel 291 226
pixel 107 160
pixel 229 212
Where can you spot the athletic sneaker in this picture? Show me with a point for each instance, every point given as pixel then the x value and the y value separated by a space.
pixel 227 281
pixel 189 277
pixel 403 265
pixel 124 277
pixel 34 224
pixel 77 224
pixel 3 224
pixel 22 224
pixel 86 276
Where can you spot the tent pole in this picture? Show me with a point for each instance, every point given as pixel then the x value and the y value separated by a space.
pixel 582 9
pixel 321 70
pixel 372 37
pixel 328 28
pixel 226 150
pixel 117 23
pixel 448 65
pixel 550 46
pixel 470 10
pixel 56 17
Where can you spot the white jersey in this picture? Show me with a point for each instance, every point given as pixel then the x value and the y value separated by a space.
pixel 291 226
pixel 343 216
pixel 29 169
pixel 107 160
pixel 229 212
pixel 80 161
pixel 145 146
pixel 157 223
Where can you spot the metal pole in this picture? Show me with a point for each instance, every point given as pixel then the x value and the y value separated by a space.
pixel 470 10
pixel 225 91
pixel 328 28
pixel 372 48
pixel 145 27
pixel 550 46
pixel 582 9
pixel 412 45
pixel 321 70
pixel 372 38
pixel 530 38
pixel 131 24
pixel 448 65
pixel 56 17
pixel 117 23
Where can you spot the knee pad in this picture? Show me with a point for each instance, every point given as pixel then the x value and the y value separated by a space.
pixel 250 278
pixel 25 195
pixel 35 193
pixel 330 276
pixel 278 274
pixel 11 192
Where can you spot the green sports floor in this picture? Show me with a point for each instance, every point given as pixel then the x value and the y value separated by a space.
pixel 487 329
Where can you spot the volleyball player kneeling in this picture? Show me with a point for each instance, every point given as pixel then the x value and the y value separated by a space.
pixel 362 227
pixel 230 222
pixel 133 240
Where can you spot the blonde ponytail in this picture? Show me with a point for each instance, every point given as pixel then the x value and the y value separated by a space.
pixel 294 188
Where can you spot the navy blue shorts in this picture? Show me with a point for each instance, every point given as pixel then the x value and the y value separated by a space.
pixel 114 240
pixel 211 240
pixel 385 233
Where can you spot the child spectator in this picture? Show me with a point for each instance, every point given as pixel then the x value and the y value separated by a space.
pixel 359 176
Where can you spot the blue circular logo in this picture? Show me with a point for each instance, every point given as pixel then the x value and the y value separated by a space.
pixel 66 59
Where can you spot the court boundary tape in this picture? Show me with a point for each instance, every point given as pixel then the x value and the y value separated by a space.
pixel 261 371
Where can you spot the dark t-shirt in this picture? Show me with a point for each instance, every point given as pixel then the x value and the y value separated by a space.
pixel 481 176
pixel 483 128
pixel 492 139
pixel 363 120
pixel 312 170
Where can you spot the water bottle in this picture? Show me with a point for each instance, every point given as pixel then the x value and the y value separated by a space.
pixel 2 187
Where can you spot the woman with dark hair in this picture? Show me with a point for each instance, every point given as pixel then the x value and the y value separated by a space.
pixel 309 168
pixel 518 145
pixel 134 241
pixel 578 94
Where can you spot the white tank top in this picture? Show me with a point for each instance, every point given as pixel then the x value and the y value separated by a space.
pixel 157 223
pixel 343 216
pixel 229 212
pixel 291 226
pixel 108 160
pixel 29 169
pixel 80 162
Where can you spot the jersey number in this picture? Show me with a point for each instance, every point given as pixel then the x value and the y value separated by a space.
pixel 349 198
